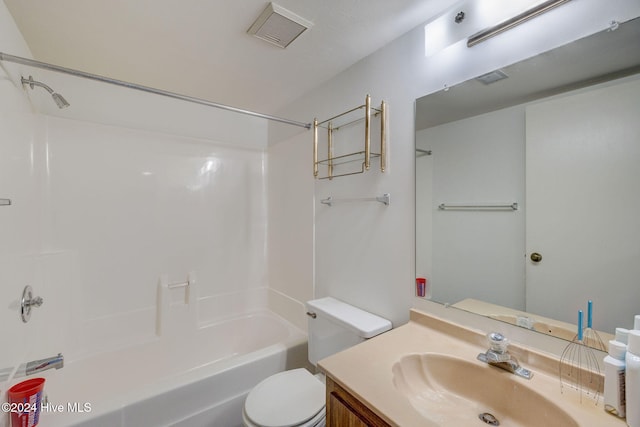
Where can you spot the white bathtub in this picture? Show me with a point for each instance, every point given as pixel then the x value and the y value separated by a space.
pixel 200 379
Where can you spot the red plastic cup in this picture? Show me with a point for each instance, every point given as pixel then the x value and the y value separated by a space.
pixel 421 286
pixel 25 399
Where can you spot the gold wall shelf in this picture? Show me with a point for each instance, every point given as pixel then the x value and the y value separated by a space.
pixel 363 157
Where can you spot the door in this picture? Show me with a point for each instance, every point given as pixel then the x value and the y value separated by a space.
pixel 583 204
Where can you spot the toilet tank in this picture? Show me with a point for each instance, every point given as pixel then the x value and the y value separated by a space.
pixel 335 325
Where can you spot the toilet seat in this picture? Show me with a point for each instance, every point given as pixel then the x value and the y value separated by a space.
pixel 318 421
pixel 287 399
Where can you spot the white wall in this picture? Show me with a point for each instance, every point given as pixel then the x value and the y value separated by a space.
pixel 480 161
pixel 376 270
pixel 290 242
pixel 103 103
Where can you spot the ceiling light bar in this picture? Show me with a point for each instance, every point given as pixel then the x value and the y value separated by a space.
pixel 503 26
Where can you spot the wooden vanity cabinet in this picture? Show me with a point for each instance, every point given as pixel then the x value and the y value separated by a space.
pixel 344 410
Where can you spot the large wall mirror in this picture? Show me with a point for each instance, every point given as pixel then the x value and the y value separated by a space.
pixel 528 188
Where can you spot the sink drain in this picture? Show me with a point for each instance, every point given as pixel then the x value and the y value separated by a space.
pixel 489 419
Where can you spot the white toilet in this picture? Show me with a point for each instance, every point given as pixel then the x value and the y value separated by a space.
pixel 297 397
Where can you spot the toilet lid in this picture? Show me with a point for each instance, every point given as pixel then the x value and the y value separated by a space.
pixel 285 399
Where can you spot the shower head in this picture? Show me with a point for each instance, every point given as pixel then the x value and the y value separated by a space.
pixel 59 99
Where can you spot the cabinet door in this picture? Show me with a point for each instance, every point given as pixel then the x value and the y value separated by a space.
pixel 344 410
pixel 341 414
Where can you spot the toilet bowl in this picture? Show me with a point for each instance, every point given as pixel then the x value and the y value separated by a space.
pixel 296 398
pixel 287 399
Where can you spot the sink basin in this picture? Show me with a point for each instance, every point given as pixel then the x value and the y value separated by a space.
pixel 454 392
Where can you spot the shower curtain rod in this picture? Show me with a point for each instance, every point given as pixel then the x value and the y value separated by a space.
pixel 77 73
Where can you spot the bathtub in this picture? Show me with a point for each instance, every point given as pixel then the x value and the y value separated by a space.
pixel 195 379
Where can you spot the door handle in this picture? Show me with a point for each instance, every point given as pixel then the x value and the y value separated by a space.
pixel 536 257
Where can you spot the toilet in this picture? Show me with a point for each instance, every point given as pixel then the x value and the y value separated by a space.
pixel 297 397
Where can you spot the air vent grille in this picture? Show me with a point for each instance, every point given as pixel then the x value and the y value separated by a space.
pixel 278 26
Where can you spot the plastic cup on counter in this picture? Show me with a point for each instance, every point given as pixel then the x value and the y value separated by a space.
pixel 421 287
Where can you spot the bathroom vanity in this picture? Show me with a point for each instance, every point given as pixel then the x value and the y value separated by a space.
pixel 343 409
pixel 426 373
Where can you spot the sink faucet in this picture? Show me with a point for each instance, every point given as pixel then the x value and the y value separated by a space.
pixel 497 355
pixel 36 366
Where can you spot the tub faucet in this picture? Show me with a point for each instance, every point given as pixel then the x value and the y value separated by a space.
pixel 497 355
pixel 36 366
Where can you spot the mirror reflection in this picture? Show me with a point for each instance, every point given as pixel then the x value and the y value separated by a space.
pixel 527 188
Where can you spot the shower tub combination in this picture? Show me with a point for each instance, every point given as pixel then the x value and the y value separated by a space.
pixel 196 379
pixel 186 376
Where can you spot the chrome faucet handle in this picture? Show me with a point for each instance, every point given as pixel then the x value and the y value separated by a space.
pixel 28 302
pixel 497 355
pixel 498 342
pixel 34 302
pixel 498 345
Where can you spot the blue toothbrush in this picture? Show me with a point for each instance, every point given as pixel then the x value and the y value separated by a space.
pixel 591 336
pixel 580 322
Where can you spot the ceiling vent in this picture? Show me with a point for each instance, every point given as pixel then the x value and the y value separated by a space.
pixel 278 26
pixel 492 77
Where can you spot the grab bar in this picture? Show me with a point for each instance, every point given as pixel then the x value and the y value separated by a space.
pixel 178 285
pixel 5 202
pixel 384 199
pixel 511 207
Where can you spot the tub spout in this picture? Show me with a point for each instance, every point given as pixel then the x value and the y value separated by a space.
pixel 36 366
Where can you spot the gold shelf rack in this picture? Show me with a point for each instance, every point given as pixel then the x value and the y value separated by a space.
pixel 363 156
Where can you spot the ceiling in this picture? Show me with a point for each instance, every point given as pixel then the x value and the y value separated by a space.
pixel 200 48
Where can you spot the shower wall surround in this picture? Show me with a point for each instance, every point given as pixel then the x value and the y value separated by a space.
pixel 131 205
pixel 120 207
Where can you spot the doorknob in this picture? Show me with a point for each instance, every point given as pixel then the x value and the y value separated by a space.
pixel 536 257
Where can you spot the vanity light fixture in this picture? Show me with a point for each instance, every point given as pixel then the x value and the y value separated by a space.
pixel 487 33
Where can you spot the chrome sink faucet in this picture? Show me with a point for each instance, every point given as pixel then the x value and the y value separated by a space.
pixel 497 355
